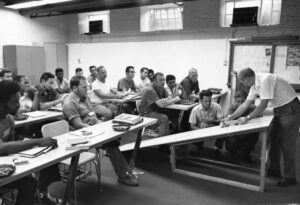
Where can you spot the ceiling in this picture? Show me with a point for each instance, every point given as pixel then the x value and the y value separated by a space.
pixel 80 6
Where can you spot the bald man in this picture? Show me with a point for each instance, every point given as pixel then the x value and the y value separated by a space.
pixel 284 127
pixel 190 83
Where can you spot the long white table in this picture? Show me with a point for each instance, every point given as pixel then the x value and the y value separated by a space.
pixel 43 116
pixel 59 154
pixel 260 125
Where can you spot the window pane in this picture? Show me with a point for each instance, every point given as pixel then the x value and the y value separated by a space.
pixel 229 8
pixel 165 18
pixel 228 20
pixel 275 18
pixel 164 14
pixel 276 5
pixel 250 3
pixel 171 13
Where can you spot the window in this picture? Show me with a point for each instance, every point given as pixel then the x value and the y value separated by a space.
pixel 161 17
pixel 269 11
pixel 94 20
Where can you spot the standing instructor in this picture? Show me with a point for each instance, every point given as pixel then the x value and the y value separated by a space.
pixel 284 127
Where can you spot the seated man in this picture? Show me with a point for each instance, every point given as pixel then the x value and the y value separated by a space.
pixel 155 98
pixel 241 143
pixel 10 144
pixel 174 89
pixel 47 95
pixel 190 84
pixel 101 94
pixel 79 71
pixel 144 80
pixel 206 114
pixel 150 75
pixel 127 83
pixel 93 76
pixel 61 85
pixel 78 111
pixel 6 75
pixel 29 100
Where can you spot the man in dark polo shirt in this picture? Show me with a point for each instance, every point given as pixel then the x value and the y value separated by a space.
pixel 79 112
pixel 47 95
pixel 127 83
pixel 190 83
pixel 10 144
pixel 155 97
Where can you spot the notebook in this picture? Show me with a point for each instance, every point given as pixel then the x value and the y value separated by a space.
pixel 128 119
pixel 36 114
pixel 35 151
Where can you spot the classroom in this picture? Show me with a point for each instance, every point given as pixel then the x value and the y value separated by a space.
pixel 149 102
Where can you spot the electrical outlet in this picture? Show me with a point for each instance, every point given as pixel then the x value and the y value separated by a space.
pixel 225 62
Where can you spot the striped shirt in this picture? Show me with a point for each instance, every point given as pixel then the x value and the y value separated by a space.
pixel 273 88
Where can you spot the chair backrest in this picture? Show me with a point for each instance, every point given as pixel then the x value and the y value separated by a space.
pixel 137 104
pixel 55 128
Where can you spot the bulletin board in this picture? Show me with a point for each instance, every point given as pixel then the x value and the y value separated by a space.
pixel 287 63
pixel 279 57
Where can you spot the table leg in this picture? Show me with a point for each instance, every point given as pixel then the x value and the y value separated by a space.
pixel 135 150
pixel 179 120
pixel 263 161
pixel 173 157
pixel 71 179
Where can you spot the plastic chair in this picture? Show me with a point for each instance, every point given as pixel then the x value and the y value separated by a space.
pixel 61 127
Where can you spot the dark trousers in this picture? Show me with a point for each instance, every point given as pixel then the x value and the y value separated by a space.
pixel 243 143
pixel 48 176
pixel 26 190
pixel 283 134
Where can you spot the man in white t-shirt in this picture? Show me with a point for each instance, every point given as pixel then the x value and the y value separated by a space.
pixel 101 93
pixel 144 80
pixel 284 127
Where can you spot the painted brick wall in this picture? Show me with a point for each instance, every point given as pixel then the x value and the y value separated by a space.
pixel 201 21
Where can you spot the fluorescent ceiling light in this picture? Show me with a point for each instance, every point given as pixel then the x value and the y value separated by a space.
pixel 35 4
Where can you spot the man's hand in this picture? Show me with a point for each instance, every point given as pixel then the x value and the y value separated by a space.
pixel 243 120
pixel 47 141
pixel 91 121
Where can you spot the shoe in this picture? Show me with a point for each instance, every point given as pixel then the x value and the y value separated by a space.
pixel 284 182
pixel 47 199
pixel 129 180
pixel 273 173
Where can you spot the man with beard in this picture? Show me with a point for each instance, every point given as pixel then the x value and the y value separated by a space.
pixel 10 144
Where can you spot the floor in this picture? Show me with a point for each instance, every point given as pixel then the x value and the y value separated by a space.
pixel 160 186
